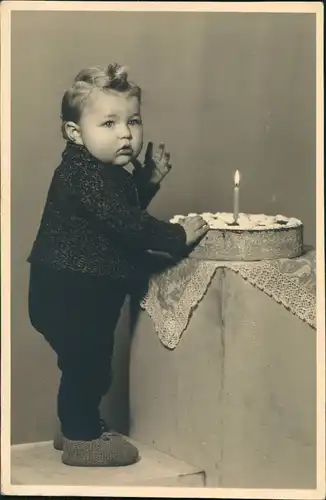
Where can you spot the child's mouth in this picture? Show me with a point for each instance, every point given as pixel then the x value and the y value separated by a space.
pixel 125 150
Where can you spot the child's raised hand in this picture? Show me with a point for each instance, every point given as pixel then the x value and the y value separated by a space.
pixel 195 227
pixel 158 162
pixel 156 165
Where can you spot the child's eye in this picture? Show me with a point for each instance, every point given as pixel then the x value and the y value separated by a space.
pixel 135 121
pixel 109 123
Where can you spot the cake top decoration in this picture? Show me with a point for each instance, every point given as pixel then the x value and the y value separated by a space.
pixel 224 220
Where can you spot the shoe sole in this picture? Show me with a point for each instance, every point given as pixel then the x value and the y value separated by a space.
pixel 100 465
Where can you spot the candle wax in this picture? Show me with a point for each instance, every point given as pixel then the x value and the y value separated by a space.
pixel 236 204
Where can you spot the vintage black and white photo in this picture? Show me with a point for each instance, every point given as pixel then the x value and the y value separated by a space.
pixel 162 249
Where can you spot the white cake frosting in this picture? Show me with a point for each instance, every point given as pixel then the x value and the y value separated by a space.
pixel 225 220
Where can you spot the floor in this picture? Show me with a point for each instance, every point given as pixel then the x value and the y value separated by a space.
pixel 40 464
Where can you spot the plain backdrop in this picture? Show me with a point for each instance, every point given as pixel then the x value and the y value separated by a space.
pixel 224 91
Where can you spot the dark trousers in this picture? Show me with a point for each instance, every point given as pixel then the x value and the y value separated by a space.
pixel 77 314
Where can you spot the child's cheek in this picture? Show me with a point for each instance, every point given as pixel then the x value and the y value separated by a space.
pixel 139 144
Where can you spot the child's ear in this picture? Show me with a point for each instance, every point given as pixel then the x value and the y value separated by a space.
pixel 73 132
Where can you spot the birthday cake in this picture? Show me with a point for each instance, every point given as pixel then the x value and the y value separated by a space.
pixel 254 237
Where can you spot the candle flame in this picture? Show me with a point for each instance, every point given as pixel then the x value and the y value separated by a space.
pixel 237 178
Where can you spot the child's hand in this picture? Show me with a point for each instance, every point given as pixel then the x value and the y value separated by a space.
pixel 158 163
pixel 156 166
pixel 195 227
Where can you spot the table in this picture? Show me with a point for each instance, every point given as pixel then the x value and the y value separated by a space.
pixel 233 388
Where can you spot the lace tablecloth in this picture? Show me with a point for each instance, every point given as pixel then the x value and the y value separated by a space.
pixel 174 292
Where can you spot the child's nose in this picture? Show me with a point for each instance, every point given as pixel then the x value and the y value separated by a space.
pixel 124 132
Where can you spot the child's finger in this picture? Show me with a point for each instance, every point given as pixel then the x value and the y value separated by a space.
pixel 160 152
pixel 149 153
pixel 167 156
pixel 166 168
pixel 195 221
pixel 202 230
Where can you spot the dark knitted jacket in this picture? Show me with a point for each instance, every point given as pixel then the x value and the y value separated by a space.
pixel 94 220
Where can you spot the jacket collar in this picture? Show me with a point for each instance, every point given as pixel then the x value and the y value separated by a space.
pixel 77 153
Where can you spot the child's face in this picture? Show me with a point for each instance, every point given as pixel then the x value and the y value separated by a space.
pixel 111 121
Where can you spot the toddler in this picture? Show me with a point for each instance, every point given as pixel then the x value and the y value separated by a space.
pixel 90 251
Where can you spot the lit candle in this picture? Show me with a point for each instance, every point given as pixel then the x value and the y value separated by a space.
pixel 236 197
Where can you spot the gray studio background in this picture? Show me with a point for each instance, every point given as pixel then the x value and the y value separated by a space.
pixel 224 91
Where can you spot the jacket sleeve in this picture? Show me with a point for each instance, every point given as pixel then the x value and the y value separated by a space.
pixel 108 208
pixel 146 190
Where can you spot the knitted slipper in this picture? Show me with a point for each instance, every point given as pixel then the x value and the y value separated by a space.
pixel 110 450
pixel 58 438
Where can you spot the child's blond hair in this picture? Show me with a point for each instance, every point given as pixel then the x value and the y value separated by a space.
pixel 114 77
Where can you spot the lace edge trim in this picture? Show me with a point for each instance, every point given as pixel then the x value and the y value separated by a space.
pixel 303 305
pixel 170 337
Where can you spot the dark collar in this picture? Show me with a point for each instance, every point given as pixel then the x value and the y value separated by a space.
pixel 77 153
